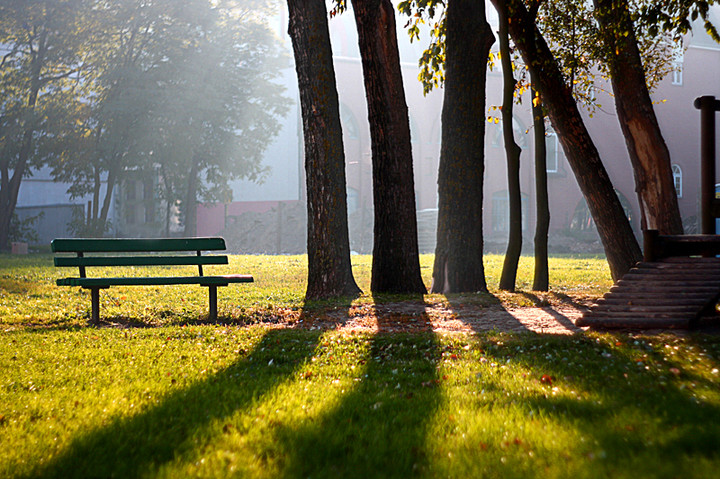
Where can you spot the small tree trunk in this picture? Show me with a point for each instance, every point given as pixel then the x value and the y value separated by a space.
pixel 191 200
pixel 649 155
pixel 459 249
pixel 396 265
pixel 328 244
pixel 621 247
pixel 541 279
pixel 512 154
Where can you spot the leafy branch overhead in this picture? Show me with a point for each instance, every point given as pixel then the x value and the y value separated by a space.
pixel 570 28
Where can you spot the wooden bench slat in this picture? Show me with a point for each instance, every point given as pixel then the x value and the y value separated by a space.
pixel 135 245
pixel 156 281
pixel 186 260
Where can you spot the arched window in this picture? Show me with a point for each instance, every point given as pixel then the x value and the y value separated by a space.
pixel 353 200
pixel 349 123
pixel 553 151
pixel 677 179
pixel 501 211
pixel 518 129
pixel 582 220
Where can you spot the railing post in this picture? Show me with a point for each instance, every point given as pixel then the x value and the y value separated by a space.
pixel 707 105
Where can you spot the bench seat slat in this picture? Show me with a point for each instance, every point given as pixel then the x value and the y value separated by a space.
pixel 140 260
pixel 157 281
pixel 131 245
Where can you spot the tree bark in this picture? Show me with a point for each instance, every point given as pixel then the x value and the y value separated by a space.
pixel 649 155
pixel 541 278
pixel 329 268
pixel 459 249
pixel 621 247
pixel 512 155
pixel 396 265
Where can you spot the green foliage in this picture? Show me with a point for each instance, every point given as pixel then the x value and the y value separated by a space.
pixel 110 87
pixel 675 16
pixel 571 31
pixel 24 230
pixel 432 61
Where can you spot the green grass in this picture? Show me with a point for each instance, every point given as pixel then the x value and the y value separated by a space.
pixel 28 295
pixel 244 400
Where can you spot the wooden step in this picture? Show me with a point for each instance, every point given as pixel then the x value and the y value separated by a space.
pixel 670 293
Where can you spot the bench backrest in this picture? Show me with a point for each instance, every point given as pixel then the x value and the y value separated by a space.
pixel 80 246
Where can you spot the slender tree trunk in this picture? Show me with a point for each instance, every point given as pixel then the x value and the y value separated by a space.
pixel 107 199
pixel 541 279
pixel 512 155
pixel 9 195
pixel 396 265
pixel 649 155
pixel 621 247
pixel 191 200
pixel 459 251
pixel 329 268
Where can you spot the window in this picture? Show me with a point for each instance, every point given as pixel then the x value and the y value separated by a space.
pixel 130 190
pixel 353 200
pixel 582 220
pixel 520 134
pixel 349 124
pixel 677 64
pixel 677 73
pixel 553 152
pixel 501 211
pixel 677 179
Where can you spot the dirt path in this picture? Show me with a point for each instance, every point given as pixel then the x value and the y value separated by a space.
pixel 409 316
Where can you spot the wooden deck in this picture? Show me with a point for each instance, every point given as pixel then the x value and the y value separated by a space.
pixel 668 293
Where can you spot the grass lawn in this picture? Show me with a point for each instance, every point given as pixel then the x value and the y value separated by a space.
pixel 180 398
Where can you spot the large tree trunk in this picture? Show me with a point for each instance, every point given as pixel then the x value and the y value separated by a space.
pixel 459 251
pixel 621 247
pixel 396 265
pixel 329 268
pixel 541 279
pixel 512 155
pixel 646 146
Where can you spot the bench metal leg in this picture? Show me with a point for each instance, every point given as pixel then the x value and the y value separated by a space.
pixel 95 302
pixel 212 310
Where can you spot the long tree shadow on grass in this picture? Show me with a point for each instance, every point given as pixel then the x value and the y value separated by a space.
pixel 593 386
pixel 133 446
pixel 379 428
pixel 483 312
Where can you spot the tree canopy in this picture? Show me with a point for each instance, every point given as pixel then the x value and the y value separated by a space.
pixel 98 88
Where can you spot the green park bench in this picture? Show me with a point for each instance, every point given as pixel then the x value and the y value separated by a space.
pixel 106 252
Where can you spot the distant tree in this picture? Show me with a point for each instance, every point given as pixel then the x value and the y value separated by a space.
pixel 329 268
pixel 459 252
pixel 219 106
pixel 43 45
pixel 512 154
pixel 395 266
pixel 186 88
